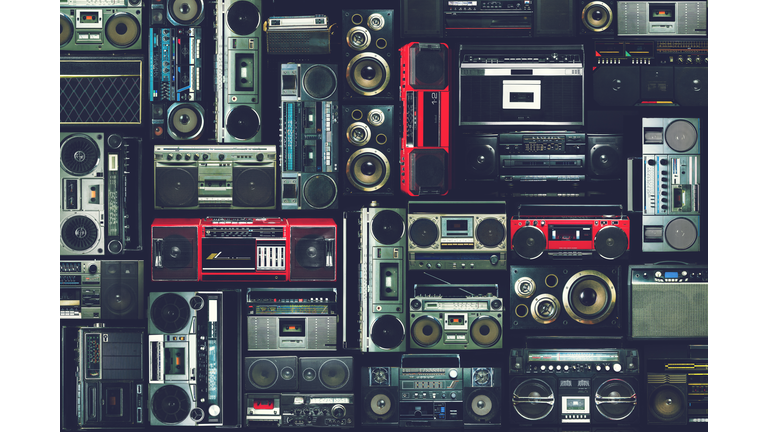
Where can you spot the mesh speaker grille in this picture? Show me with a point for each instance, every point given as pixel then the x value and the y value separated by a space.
pixel 669 310
pixel 92 100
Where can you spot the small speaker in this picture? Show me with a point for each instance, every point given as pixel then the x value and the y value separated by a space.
pixel 598 17
pixel 185 12
pixel 324 374
pixel 312 251
pixel 369 52
pixel 605 156
pixel 185 121
pixel 381 396
pixel 272 374
pixel 174 252
pixel 421 18
pixel 428 171
pixel 667 399
pixel 616 85
pixel 657 83
pixel 122 289
pixel 554 18
pixel 691 86
pixel 482 397
pixel 368 144
pixel 479 158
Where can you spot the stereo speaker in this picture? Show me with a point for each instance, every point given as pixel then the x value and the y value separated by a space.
pixel 368 49
pixel 598 17
pixel 369 148
pixel 482 397
pixel 122 290
pixel 274 374
pixel 605 155
pixel 174 249
pixel 691 86
pixel 324 374
pixel 381 396
pixel 533 401
pixel 667 399
pixel 616 85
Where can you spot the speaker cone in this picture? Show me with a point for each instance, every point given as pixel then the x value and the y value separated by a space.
pixel 481 160
pixel 368 74
pixel 380 403
pixel 310 251
pixel 358 38
pixel 429 68
pixel 79 155
pixel 387 332
pixel 611 242
pixel 533 399
pixel 525 287
pixel 667 403
pixel 604 160
pixel 368 170
pixel 66 30
pixel 545 308
pixel 176 251
pixel 79 233
pixel 176 187
pixel 490 232
pixel 589 297
pixel 597 16
pixel 320 191
pixel 254 187
pixel 334 374
pixel 483 405
pixel 122 30
pixel 387 227
pixel 119 299
pixel 681 233
pixel 426 331
pixel 681 135
pixel 185 121
pixel 262 374
pixel 170 404
pixel 185 12
pixel 243 18
pixel 615 399
pixel 423 232
pixel 358 134
pixel 529 242
pixel 319 82
pixel 485 331
pixel 170 313
pixel 376 117
pixel 243 122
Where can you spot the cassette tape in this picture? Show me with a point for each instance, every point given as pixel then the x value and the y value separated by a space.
pixel 100 25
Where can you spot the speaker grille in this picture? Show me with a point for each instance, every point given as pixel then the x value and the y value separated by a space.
pixel 669 310
pixel 254 187
pixel 95 100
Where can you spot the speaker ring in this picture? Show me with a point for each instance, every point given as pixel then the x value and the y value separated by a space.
pixel 521 311
pixel 85 236
pixel 272 374
pixel 358 134
pixel 532 245
pixel 238 115
pixel 673 139
pixel 549 399
pixel 66 30
pixel 428 235
pixel 525 287
pixel 598 26
pixel 322 374
pixel 551 309
pixel 573 283
pixel 680 225
pixel 193 16
pixel 384 339
pixel 430 340
pixel 111 27
pixel 352 170
pixel 239 10
pixel 375 21
pixel 309 185
pixel 631 400
pixel 73 158
pixel 375 58
pixel 611 242
pixel 358 38
pixel 482 340
pixel 490 232
pixel 322 93
pixel 386 406
pixel 179 130
pixel 376 117
pixel 387 227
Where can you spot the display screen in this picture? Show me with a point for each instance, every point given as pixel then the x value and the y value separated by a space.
pixel 671 275
pixel 581 356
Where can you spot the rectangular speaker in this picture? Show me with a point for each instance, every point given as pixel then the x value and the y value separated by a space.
pixel 381 395
pixel 482 397
pixel 122 289
pixel 369 147
pixel 100 90
pixel 324 374
pixel 421 18
pixel 667 396
pixel 174 250
pixel 272 374
pixel 368 50
pixel 553 18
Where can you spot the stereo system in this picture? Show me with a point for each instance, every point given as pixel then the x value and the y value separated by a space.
pixel 101 289
pixel 368 49
pixel 300 410
pixel 440 238
pixel 448 317
pixel 291 319
pixel 244 249
pixel 574 386
pixel 217 177
pixel 370 148
pixel 179 13
pixel 662 18
pixel 309 118
pixel 298 35
pixel 238 72
pixel 100 25
pixel 303 374
pixel 678 389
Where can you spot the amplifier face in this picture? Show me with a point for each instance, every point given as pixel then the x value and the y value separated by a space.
pixel 661 18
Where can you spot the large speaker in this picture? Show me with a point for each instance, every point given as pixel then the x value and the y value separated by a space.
pixel 691 86
pixel 324 374
pixel 616 85
pixel 369 53
pixel 369 146
pixel 381 396
pixel 598 17
pixel 274 374
pixel 122 289
pixel 667 399
pixel 482 397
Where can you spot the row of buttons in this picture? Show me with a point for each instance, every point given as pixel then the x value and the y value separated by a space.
pixel 425 395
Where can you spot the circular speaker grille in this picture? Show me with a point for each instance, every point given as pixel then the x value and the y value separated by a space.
pixel 254 187
pixel 122 29
pixel 589 297
pixel 262 374
pixel 177 251
pixel 380 404
pixel 368 170
pixel 429 67
pixel 376 117
pixel 319 82
pixel 604 160
pixel 533 399
pixel 79 155
pixel 243 18
pixel 376 22
pixel 545 308
pixel 66 30
pixel 368 74
pixel 185 121
pixel 358 134
pixel 596 16
pixel 426 331
pixel 79 233
pixel 387 332
pixel 169 313
pixel 320 191
pixel 529 242
pixel 170 404
pixel 485 331
pixel 176 187
pixel 387 227
pixel 423 232
pixel 185 12
pixel 119 299
pixel 481 160
pixel 525 287
pixel 490 232
pixel 611 242
pixel 681 233
pixel 615 399
pixel 310 251
pixel 667 403
pixel 681 135
pixel 243 122
pixel 334 374
pixel 358 38
pixel 483 405
pixel 380 376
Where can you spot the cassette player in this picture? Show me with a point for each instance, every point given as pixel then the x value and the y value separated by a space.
pixel 300 410
pixel 569 236
pixel 441 239
pixel 101 289
pixel 291 318
pixel 533 157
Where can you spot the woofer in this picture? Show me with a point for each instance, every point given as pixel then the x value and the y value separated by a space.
pixel 681 135
pixel 66 30
pixel 387 332
pixel 243 18
pixel 490 232
pixel 185 121
pixel 615 399
pixel 423 232
pixel 545 308
pixel 368 169
pixel 589 297
pixel 368 74
pixel 533 399
pixel 681 233
pixel 596 16
pixel 185 12
pixel 426 331
pixel 485 331
pixel 387 227
pixel 122 30
pixel 334 374
pixel 319 81
pixel 263 374
pixel 320 191
pixel 529 242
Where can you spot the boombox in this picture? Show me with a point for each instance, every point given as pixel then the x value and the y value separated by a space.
pixel 100 25
pixel 569 237
pixel 442 239
pixel 177 12
pixel 668 301
pixel 662 18
pixel 101 289
pixel 591 298
pixel 105 387
pixel 298 35
pixel 382 292
pixel 574 386
pixel 370 148
pixel 433 392
pixel 678 391
pixel 291 319
pixel 369 51
pixel 469 318
pixel 87 85
pixel 650 72
pixel 189 376
pixel 425 155
pixel 244 249
pixel 521 85
pixel 309 118
pixel 216 177
pixel 238 71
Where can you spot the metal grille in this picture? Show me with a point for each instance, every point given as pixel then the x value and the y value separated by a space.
pixel 97 100
pixel 669 310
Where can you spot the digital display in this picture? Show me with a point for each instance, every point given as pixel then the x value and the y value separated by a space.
pixel 671 275
pixel 581 356
pixel 462 3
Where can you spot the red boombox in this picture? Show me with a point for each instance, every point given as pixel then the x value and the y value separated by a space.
pixel 244 249
pixel 425 156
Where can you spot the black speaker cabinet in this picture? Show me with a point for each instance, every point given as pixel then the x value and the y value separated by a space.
pixel 369 149
pixel 616 85
pixel 554 18
pixel 421 18
pixel 482 397
pixel 369 53
pixel 479 158
pixel 691 86
pixel 598 18
pixel 667 399
pixel 324 374
pixel 122 289
pixel 605 156
pixel 272 374
pixel 381 396
pixel 657 83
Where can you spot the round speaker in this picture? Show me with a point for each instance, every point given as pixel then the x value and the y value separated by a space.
pixel 387 227
pixel 176 187
pixel 589 297
pixel 611 242
pixel 368 169
pixel 681 135
pixel 170 404
pixel 426 331
pixel 604 160
pixel 254 187
pixel 79 233
pixel 423 232
pixel 387 332
pixel 545 308
pixel 358 38
pixel 185 12
pixel 319 81
pixel 262 373
pixel 428 170
pixel 66 30
pixel 79 155
pixel 376 22
pixel 243 18
pixel 490 232
pixel 358 134
pixel 529 242
pixel 481 160
pixel 376 117
pixel 122 30
pixel 334 374
pixel 177 251
pixel 481 377
pixel 533 399
pixel 368 74
pixel 485 331
pixel 320 191
pixel 119 299
pixel 170 313
pixel 185 121
pixel 429 68
pixel 525 287
pixel 667 403
pixel 681 233
pixel 483 405
pixel 596 16
pixel 380 404
pixel 243 122
pixel 310 251
pixel 615 399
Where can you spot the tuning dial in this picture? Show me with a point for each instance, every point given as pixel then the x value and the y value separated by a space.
pixel 260 157
pixel 178 156
pixel 598 368
pixel 453 374
pixel 338 411
pixel 197 156
pixel 205 156
pixel 663 161
pixel 187 156
pixel 616 367
pixel 169 156
pixel 92 269
pixel 221 156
